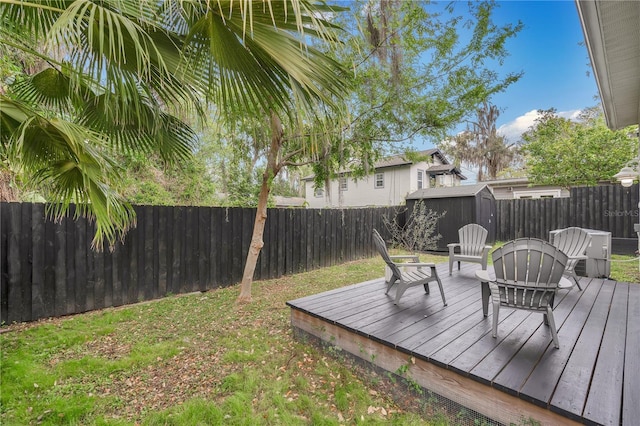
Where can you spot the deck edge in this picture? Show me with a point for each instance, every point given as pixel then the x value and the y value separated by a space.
pixel 486 400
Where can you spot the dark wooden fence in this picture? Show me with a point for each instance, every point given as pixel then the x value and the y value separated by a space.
pixel 49 269
pixel 610 208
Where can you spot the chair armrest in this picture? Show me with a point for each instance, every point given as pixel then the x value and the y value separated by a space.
pixel 413 258
pixel 417 265
pixel 564 283
pixel 578 257
pixel 452 248
pixel 483 276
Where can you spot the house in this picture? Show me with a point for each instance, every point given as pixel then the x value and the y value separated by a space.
pixel 521 188
pixel 392 180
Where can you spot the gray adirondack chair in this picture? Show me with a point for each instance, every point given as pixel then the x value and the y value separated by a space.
pixel 405 275
pixel 527 273
pixel 471 247
pixel 574 243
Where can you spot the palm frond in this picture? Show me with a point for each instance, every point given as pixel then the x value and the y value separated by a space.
pixel 74 162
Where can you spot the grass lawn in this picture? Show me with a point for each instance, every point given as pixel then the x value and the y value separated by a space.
pixel 193 359
pixel 201 359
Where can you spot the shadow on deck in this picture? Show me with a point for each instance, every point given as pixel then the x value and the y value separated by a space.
pixel 593 378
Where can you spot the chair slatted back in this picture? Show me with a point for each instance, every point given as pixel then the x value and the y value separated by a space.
pixel 473 238
pixel 527 272
pixel 382 249
pixel 573 242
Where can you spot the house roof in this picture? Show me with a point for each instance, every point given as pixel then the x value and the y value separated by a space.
pixel 444 169
pixel 401 159
pixel 447 192
pixel 612 35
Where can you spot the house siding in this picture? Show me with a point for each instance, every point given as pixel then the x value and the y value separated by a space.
pixel 399 181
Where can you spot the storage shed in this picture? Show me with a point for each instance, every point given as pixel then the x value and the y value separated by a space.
pixel 463 204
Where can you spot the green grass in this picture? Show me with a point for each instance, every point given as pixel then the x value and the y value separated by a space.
pixel 193 359
pixel 624 268
pixel 201 359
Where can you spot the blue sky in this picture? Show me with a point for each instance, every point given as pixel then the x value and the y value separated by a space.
pixel 555 64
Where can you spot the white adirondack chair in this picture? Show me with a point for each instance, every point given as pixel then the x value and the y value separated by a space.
pixel 471 247
pixel 527 273
pixel 574 243
pixel 406 275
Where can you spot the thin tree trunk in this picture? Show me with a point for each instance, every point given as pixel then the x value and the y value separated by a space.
pixel 257 242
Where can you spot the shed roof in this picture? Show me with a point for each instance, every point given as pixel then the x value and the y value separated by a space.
pixel 447 192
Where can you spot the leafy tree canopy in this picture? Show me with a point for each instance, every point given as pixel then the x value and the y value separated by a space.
pixel 563 152
pixel 419 70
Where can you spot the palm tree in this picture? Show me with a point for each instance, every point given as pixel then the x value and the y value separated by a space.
pixel 116 75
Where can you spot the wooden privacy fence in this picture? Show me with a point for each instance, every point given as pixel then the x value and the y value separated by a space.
pixel 48 269
pixel 610 208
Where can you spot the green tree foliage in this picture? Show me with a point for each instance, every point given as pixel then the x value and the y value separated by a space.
pixel 563 152
pixel 118 74
pixel 420 69
pixel 481 146
pixel 147 180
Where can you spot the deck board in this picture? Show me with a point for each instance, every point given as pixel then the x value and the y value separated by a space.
pixel 605 395
pixel 593 377
pixel 631 394
pixel 571 391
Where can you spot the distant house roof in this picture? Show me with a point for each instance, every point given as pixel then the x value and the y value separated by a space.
pixel 444 169
pixel 401 159
pixel 447 192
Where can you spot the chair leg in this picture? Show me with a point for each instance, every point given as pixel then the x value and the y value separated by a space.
pixel 435 274
pixel 450 264
pixel 400 289
pixel 496 313
pixel 576 280
pixel 552 327
pixel 390 284
pixel 458 265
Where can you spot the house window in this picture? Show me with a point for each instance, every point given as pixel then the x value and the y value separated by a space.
pixel 420 179
pixel 379 180
pixel 343 184
pixel 319 192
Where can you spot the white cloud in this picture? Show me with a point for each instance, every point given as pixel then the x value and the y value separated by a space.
pixel 513 130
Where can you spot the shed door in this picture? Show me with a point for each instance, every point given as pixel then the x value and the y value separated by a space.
pixel 487 216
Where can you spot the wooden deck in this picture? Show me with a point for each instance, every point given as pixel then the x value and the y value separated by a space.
pixel 593 378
